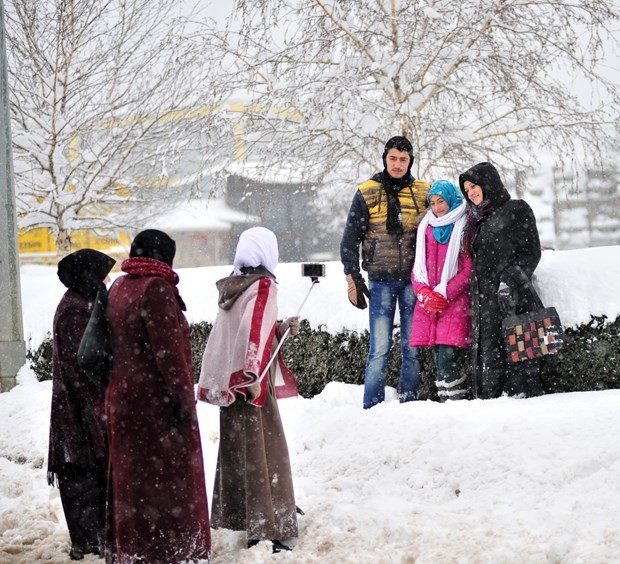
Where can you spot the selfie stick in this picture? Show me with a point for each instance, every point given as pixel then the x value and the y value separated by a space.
pixel 315 280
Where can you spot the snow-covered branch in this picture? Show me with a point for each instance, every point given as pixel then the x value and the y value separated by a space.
pixel 101 100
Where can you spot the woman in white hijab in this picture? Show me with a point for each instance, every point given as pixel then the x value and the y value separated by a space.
pixel 253 489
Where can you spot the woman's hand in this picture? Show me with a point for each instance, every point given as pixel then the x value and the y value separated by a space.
pixel 291 323
pixel 506 298
pixel 437 302
pixel 432 302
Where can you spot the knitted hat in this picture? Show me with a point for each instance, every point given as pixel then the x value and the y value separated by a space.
pixel 154 244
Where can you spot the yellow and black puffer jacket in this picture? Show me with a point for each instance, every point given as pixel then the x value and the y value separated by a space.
pixel 383 252
pixel 385 256
pixel 388 256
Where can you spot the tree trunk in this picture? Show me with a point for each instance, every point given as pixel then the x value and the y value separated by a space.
pixel 63 242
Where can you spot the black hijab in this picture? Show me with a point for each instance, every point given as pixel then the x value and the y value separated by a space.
pixel 486 176
pixel 494 194
pixel 154 244
pixel 84 271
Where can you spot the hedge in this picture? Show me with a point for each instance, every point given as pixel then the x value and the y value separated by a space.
pixel 590 359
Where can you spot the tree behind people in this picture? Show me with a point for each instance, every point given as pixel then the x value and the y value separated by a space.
pixel 460 79
pixel 101 94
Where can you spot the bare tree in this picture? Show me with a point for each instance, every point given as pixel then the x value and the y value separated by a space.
pixel 466 80
pixel 104 110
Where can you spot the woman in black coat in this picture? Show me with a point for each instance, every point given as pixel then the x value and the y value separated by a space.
pixel 505 250
pixel 77 459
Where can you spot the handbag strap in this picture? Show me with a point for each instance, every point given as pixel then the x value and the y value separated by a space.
pixel 535 296
pixel 524 282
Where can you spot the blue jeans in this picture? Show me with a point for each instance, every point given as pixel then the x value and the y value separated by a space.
pixel 382 308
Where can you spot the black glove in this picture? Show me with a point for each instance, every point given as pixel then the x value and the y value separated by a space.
pixel 180 419
pixel 179 416
pixel 357 290
pixel 506 298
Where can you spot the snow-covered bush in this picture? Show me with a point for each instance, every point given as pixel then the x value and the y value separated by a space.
pixel 589 361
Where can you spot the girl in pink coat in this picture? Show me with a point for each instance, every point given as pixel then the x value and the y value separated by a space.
pixel 440 279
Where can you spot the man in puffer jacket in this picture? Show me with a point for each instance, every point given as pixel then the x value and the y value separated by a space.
pixel 383 219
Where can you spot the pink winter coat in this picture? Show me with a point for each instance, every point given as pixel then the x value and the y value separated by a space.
pixel 452 326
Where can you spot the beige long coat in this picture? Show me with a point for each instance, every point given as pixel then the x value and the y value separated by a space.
pixel 253 488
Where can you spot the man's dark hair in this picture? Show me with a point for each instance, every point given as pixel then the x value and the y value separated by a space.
pixel 400 143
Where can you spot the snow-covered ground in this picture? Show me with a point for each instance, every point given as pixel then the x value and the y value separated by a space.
pixel 495 481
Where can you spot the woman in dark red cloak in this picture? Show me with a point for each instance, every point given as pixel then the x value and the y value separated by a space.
pixel 157 501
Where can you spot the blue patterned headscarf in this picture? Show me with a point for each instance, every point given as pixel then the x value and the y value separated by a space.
pixel 451 194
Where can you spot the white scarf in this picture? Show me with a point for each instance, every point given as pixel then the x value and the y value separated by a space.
pixel 450 267
pixel 257 246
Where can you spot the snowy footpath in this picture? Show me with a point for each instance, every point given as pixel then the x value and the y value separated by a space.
pixel 496 481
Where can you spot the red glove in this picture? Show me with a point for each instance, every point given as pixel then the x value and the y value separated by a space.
pixel 424 294
pixel 437 302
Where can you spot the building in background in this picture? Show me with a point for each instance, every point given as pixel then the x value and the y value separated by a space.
pixel 37 246
pixel 205 231
pixel 589 217
pixel 288 210
pixel 574 212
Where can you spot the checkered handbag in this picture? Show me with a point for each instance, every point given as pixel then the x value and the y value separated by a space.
pixel 533 334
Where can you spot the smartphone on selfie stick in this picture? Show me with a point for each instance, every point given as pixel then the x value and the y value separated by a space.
pixel 314 271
